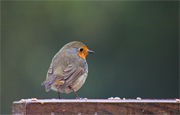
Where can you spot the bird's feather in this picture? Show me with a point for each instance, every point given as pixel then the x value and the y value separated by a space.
pixel 75 74
pixel 70 74
pixel 49 81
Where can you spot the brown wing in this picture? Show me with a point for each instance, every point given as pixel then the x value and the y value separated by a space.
pixel 72 73
pixel 50 79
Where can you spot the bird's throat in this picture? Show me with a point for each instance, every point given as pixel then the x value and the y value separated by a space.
pixel 82 55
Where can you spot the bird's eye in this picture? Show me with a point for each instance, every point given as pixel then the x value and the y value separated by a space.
pixel 81 49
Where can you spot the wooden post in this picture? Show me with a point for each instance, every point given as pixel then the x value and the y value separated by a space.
pixel 96 106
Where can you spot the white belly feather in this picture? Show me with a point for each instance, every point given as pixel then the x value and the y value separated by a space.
pixel 79 82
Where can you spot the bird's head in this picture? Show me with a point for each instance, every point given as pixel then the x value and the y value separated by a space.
pixel 78 48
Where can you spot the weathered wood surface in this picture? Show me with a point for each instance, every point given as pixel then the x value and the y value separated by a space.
pixel 95 106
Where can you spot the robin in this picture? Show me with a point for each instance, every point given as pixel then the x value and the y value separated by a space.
pixel 68 69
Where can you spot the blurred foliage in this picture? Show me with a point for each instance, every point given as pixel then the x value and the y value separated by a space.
pixel 136 45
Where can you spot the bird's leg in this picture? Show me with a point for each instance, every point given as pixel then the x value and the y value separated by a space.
pixel 59 95
pixel 74 93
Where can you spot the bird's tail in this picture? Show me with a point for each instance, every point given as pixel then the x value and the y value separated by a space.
pixel 49 81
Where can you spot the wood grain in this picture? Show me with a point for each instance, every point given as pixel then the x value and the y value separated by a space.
pixel 96 106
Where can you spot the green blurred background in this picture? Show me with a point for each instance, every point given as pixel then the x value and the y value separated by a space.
pixel 136 45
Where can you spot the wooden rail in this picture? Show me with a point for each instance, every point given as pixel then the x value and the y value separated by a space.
pixel 96 106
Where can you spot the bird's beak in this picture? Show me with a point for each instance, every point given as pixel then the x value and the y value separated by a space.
pixel 91 52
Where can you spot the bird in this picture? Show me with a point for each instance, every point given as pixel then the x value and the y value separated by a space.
pixel 69 69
